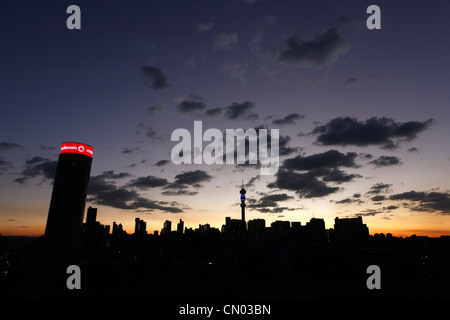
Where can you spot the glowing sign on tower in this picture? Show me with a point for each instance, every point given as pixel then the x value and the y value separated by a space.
pixel 75 147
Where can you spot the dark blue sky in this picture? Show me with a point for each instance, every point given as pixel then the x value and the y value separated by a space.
pixel 138 70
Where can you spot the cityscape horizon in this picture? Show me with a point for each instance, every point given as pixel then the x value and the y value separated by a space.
pixel 299 142
pixel 128 227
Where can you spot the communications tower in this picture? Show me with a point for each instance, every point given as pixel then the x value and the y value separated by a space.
pixel 243 192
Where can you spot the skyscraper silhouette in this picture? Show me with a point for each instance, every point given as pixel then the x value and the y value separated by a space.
pixel 180 227
pixel 66 212
pixel 243 192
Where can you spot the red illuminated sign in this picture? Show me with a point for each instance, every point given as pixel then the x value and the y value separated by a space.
pixel 74 147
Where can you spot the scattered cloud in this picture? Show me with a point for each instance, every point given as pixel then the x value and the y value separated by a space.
pixel 392 207
pixel 190 103
pixel 122 198
pixel 205 26
pixel 161 163
pixel 235 111
pixel 379 188
pixel 354 199
pixel 37 167
pixel 370 212
pixel 159 80
pixel 213 112
pixel 316 171
pixel 156 108
pixel 385 161
pixel 324 49
pixel 242 110
pixel 184 180
pixel 5 164
pixel 236 70
pixel 337 176
pixel 289 119
pixel 351 82
pixel 177 191
pixel 192 177
pixel 102 182
pixel 103 191
pixel 413 149
pixel 251 182
pixel 147 182
pixel 306 185
pixel 149 132
pixel 328 159
pixel 190 106
pixel 127 150
pixel 433 201
pixel 283 148
pixel 225 41
pixel 378 198
pixel 5 146
pixel 374 131
pixel 269 203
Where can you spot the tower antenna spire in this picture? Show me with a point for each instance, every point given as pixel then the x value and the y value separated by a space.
pixel 243 192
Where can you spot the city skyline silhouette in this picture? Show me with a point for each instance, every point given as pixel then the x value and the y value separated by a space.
pixel 180 107
pixel 120 265
pixel 361 118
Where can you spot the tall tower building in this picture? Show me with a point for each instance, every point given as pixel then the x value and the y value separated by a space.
pixel 167 228
pixel 137 222
pixel 91 216
pixel 243 192
pixel 140 229
pixel 66 212
pixel 180 227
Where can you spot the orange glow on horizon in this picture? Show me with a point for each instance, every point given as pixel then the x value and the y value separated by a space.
pixel 128 226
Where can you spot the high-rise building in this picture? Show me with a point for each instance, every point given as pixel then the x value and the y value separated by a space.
pixel 140 229
pixel 91 216
pixel 280 228
pixel 180 227
pixel 136 227
pixel 114 228
pixel 234 229
pixel 350 229
pixel 167 228
pixel 315 230
pixel 256 228
pixel 66 212
pixel 91 227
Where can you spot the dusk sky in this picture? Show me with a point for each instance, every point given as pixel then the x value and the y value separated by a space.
pixel 363 115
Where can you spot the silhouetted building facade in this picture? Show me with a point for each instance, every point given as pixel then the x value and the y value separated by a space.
pixel 91 216
pixel 68 201
pixel 94 234
pixel 140 229
pixel 136 226
pixel 180 227
pixel 90 227
pixel 167 228
pixel 315 231
pixel 234 228
pixel 256 229
pixel 280 229
pixel 350 229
